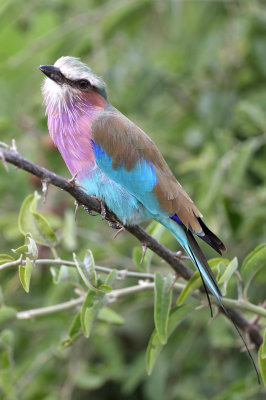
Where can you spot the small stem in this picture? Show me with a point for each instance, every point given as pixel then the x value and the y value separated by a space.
pixel 38 312
pixel 239 304
pixel 106 270
pixel 12 263
pixel 243 305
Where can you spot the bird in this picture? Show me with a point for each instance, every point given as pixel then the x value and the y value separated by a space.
pixel 115 160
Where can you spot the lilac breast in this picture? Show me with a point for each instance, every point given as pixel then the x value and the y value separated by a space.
pixel 70 128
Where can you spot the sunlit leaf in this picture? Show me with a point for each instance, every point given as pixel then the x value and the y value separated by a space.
pixel 177 315
pixel 89 311
pixel 254 261
pixel 25 274
pixel 193 283
pixel 252 264
pixel 89 267
pixel 5 258
pixel 64 273
pixel 29 221
pixel 111 277
pixel 226 276
pixel 162 304
pixel 84 273
pixel 108 315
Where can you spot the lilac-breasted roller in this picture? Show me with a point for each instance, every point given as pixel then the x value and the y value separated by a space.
pixel 113 159
pixel 117 162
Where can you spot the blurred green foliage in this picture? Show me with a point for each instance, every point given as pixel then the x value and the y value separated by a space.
pixel 192 74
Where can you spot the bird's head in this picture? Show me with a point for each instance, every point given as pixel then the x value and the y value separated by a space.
pixel 69 80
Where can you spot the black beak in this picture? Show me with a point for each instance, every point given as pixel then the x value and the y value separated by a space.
pixel 53 73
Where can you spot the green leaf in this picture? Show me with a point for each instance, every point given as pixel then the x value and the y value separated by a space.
pixel 21 249
pixel 193 283
pixel 108 315
pixel 177 315
pixel 5 258
pixel 89 267
pixel 111 277
pixel 226 276
pixel 25 274
pixel 155 230
pixel 213 262
pixel 105 288
pixel 32 247
pixel 63 274
pixel 29 221
pixel 75 326
pixel 7 314
pixel 89 311
pixel 74 332
pixel 84 273
pixel 29 248
pixel 254 262
pixel 262 359
pixel 162 304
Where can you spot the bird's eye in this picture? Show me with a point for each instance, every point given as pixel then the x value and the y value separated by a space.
pixel 83 84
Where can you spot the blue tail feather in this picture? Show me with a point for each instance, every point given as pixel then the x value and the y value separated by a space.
pixel 187 241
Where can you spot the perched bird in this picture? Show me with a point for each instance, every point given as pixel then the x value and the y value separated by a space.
pixel 116 161
pixel 113 159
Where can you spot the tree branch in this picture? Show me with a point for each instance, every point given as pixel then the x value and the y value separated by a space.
pixel 92 204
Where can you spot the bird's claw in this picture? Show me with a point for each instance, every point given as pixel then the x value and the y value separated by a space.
pixel 77 206
pixel 45 186
pixel 143 252
pixel 115 225
pixel 73 182
pixel 103 210
pixel 89 211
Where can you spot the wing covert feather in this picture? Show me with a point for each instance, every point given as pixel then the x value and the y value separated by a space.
pixel 126 144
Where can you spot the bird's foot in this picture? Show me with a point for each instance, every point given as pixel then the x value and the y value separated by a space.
pixel 73 181
pixel 77 207
pixel 143 252
pixel 89 211
pixel 117 225
pixel 103 210
pixel 45 186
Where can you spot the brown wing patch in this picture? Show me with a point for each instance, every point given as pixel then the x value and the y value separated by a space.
pixel 126 143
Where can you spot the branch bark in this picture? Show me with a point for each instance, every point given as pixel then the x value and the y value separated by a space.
pixel 92 204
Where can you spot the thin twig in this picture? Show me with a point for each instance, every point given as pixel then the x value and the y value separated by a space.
pixel 37 312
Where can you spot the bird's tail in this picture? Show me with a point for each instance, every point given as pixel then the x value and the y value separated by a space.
pixel 188 242
pixel 190 245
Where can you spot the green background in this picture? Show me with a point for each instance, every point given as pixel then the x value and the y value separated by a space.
pixel 192 74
